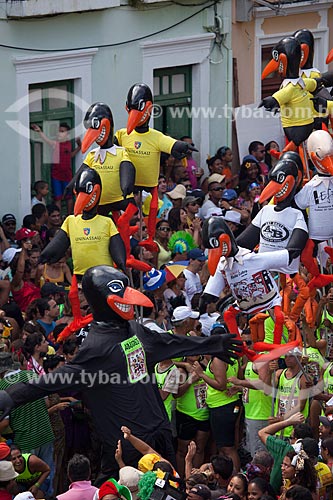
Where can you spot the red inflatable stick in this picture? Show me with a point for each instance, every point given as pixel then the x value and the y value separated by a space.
pixel 275 350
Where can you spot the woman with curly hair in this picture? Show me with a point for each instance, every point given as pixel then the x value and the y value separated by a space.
pixel 35 347
pixel 298 469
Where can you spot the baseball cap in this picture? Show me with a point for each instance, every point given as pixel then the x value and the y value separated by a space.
pixel 9 254
pixel 147 462
pixel 202 491
pixel 326 421
pixel 294 352
pixel 7 471
pixel 215 178
pixel 229 194
pixel 4 451
pixel 130 477
pixel 250 159
pixel 25 495
pixel 232 216
pixel 212 212
pixel 8 218
pixel 178 192
pixel 184 312
pixel 50 289
pixel 24 233
pixel 196 254
pixel 190 199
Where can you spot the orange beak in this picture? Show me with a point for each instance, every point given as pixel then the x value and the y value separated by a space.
pixel 87 201
pixel 326 164
pixel 270 67
pixel 269 191
pixel 305 53
pixel 123 306
pixel 93 134
pixel 214 255
pixel 329 57
pixel 136 118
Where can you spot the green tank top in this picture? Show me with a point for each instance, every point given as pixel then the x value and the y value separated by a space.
pixel 216 398
pixel 328 379
pixel 193 401
pixel 323 332
pixel 269 326
pixel 257 405
pixel 26 476
pixel 287 397
pixel 315 364
pixel 160 380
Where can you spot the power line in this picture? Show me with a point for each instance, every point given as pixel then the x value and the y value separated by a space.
pixel 117 44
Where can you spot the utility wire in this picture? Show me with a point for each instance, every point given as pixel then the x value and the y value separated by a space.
pixel 30 49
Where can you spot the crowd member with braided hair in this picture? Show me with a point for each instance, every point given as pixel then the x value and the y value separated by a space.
pixel 298 469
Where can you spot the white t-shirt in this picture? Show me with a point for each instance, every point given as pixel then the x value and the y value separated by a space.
pixel 170 294
pixel 208 209
pixel 251 284
pixel 192 284
pixel 207 321
pixel 276 228
pixel 317 195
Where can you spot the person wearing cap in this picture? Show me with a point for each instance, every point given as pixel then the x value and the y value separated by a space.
pixel 233 220
pixel 192 204
pixel 112 490
pixel 292 388
pixel 199 492
pixel 177 194
pixel 26 235
pixel 229 202
pixel 215 186
pixel 9 228
pixel 130 477
pixel 176 289
pixel 23 290
pixel 7 477
pixel 79 472
pixel 183 320
pixel 325 427
pixel 193 284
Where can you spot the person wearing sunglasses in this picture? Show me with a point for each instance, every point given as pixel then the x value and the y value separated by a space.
pixel 163 233
pixel 216 186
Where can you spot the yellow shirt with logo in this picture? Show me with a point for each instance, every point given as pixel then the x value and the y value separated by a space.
pixel 89 241
pixel 144 151
pixel 109 172
pixel 296 108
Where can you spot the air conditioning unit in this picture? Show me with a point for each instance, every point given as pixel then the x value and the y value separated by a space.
pixel 244 9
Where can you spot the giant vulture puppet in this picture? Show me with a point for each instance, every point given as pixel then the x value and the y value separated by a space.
pixel 113 366
pixel 144 146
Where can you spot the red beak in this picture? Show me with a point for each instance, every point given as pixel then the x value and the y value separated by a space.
pixel 305 50
pixel 131 297
pixel 136 118
pixel 269 191
pixel 329 57
pixel 83 200
pixel 270 67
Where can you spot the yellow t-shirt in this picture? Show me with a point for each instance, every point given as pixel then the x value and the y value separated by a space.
pixel 296 108
pixel 89 241
pixel 144 151
pixel 108 171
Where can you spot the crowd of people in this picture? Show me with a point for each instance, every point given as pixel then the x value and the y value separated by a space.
pixel 243 431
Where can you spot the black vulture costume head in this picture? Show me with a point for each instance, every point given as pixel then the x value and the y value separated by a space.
pixel 286 59
pixel 219 239
pixel 139 105
pixel 109 296
pixel 285 179
pixel 88 189
pixel 305 38
pixel 99 124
